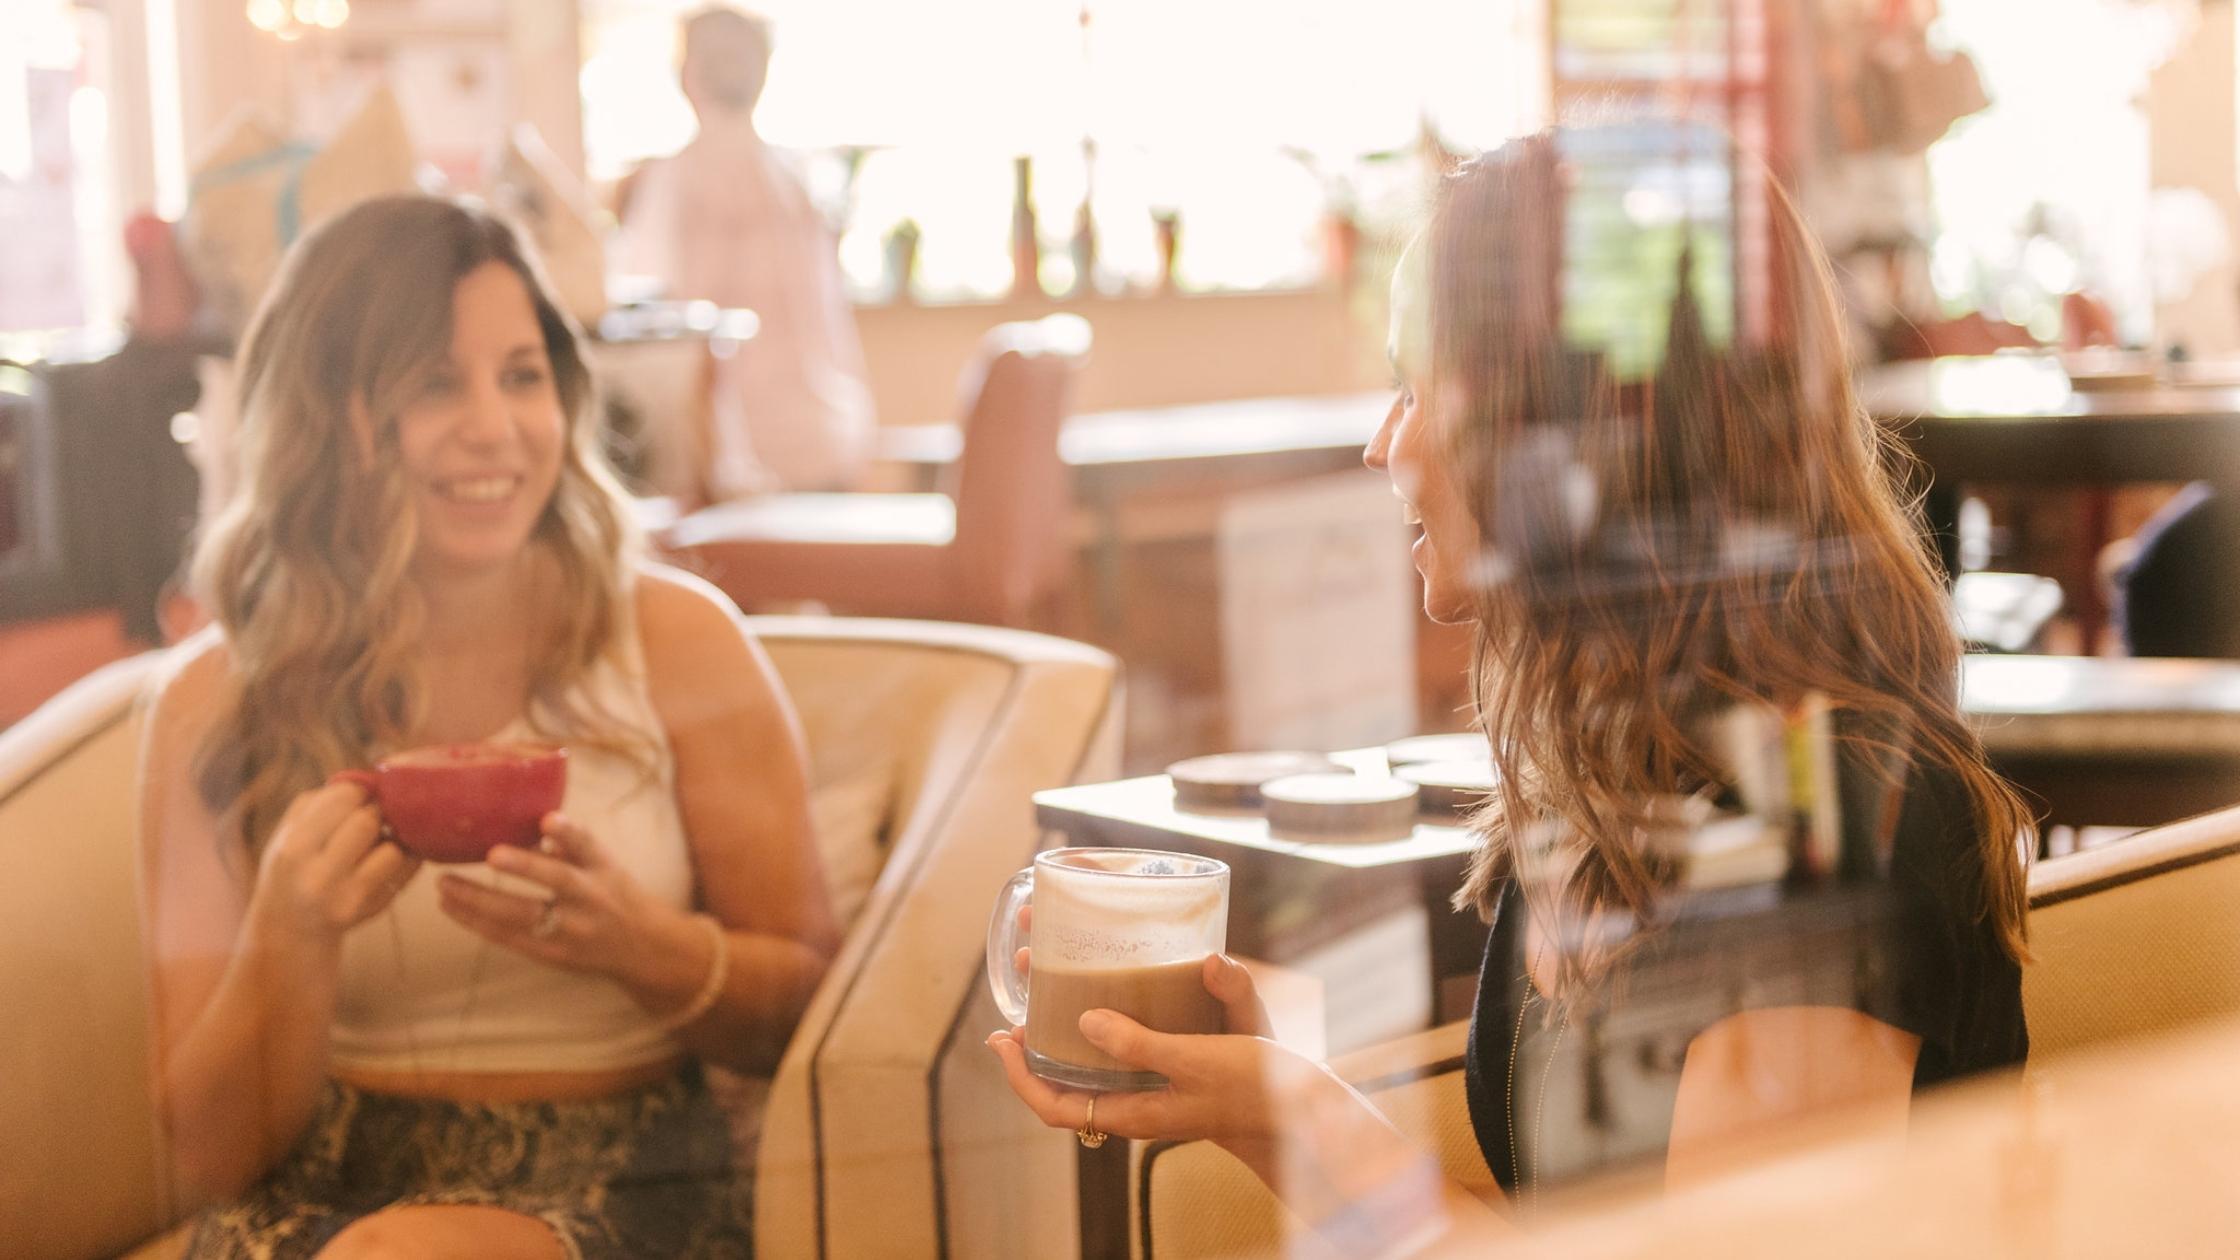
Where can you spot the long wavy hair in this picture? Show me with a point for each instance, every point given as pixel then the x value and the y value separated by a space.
pixel 1725 528
pixel 307 570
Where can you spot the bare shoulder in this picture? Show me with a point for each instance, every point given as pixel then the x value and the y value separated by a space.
pixel 683 615
pixel 194 681
pixel 698 655
pixel 194 685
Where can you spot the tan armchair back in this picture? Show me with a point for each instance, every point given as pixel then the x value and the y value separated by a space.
pixel 80 1167
pixel 2137 938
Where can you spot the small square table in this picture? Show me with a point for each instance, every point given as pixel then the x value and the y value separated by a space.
pixel 1290 899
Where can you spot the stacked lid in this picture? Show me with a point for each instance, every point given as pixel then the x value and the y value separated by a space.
pixel 1342 808
pixel 1232 780
pixel 1455 772
pixel 1310 796
pixel 1450 788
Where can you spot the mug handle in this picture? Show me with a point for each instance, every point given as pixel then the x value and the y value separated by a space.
pixel 363 778
pixel 1003 945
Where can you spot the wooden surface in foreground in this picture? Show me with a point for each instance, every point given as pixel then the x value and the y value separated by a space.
pixel 2132 1150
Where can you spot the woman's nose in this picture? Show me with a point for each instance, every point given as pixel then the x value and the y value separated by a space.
pixel 1378 452
pixel 489 416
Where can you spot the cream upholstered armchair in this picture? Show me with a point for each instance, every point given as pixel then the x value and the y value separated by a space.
pixel 887 1129
pixel 2135 939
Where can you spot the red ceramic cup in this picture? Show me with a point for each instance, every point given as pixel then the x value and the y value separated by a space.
pixel 455 802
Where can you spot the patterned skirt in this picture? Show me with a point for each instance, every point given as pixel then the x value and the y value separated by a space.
pixel 645 1173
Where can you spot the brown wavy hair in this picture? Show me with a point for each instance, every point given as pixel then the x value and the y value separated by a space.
pixel 306 570
pixel 1726 528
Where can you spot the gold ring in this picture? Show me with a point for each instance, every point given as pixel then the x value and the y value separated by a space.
pixel 1091 1137
pixel 548 920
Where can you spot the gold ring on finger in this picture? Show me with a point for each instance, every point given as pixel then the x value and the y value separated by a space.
pixel 1091 1136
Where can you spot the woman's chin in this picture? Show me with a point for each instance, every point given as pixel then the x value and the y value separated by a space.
pixel 1446 607
pixel 468 560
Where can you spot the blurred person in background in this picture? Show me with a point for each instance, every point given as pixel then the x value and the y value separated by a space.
pixel 1636 559
pixel 726 220
pixel 2173 580
pixel 356 1056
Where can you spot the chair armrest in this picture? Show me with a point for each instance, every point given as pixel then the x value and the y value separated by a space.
pixel 2161 850
pixel 1405 1060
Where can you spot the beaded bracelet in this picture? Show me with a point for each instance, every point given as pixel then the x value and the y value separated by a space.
pixel 719 970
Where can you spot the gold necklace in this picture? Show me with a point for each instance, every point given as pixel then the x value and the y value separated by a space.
pixel 466 1005
pixel 1529 1182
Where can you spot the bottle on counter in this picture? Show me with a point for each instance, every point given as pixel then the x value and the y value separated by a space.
pixel 1026 241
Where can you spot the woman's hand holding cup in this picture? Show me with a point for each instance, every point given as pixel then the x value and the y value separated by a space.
pixel 1218 1086
pixel 587 915
pixel 1114 919
pixel 326 868
pixel 1129 1018
pixel 1288 1118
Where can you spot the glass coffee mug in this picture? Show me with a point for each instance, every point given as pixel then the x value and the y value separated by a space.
pixel 1124 930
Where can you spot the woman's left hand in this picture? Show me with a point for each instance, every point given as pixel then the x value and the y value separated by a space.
pixel 1217 1085
pixel 596 919
pixel 1306 1134
pixel 1238 1089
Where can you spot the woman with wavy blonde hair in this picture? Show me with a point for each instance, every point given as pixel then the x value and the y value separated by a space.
pixel 426 548
pixel 1649 562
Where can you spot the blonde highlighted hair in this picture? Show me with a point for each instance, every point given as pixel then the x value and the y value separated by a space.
pixel 307 568
pixel 1727 529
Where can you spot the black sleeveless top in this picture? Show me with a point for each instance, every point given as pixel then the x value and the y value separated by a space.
pixel 1556 1096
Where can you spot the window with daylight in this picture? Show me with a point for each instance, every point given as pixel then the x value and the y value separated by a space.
pixel 61 263
pixel 1685 92
pixel 1209 147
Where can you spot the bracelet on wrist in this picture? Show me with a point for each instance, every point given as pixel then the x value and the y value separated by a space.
pixel 719 970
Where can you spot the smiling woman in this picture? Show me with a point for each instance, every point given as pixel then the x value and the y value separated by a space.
pixel 1641 554
pixel 368 399
pixel 359 1057
pixel 481 439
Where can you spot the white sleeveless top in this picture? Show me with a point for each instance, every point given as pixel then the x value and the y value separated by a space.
pixel 420 992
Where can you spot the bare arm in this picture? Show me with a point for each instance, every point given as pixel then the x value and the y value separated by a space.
pixel 1335 1160
pixel 1312 1139
pixel 743 789
pixel 1750 1079
pixel 243 957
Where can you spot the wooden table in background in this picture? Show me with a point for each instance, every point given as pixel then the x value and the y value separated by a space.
pixel 2110 742
pixel 2016 420
pixel 1189 451
pixel 1115 453
pixel 1151 484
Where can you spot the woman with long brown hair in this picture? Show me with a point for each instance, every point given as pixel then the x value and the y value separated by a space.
pixel 354 1055
pixel 1640 556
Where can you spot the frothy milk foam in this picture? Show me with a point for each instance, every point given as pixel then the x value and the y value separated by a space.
pixel 1087 921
